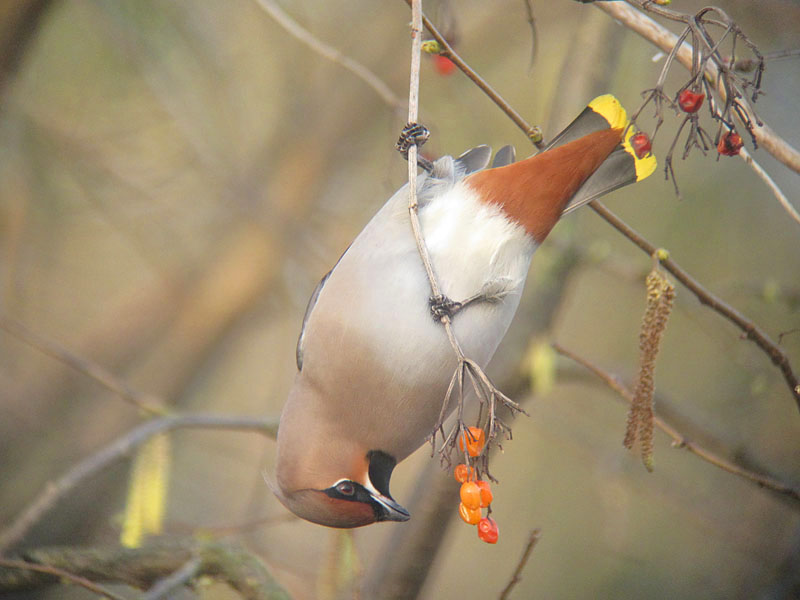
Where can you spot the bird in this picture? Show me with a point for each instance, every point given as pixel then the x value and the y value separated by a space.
pixel 373 365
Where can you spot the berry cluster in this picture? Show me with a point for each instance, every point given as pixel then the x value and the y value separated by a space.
pixel 475 493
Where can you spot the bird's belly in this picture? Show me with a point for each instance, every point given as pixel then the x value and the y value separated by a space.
pixel 380 343
pixel 375 339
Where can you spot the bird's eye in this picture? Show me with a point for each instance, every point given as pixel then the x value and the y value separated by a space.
pixel 346 488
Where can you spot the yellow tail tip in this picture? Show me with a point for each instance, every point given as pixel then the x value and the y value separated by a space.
pixel 614 113
pixel 611 110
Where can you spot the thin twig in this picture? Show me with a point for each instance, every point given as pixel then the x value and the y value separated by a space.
pixel 332 54
pixel 679 441
pixel 777 192
pixel 165 586
pixel 533 132
pixel 751 331
pixel 413 150
pixel 517 576
pixel 61 574
pixel 120 447
pixel 534 37
pixel 148 404
pixel 664 39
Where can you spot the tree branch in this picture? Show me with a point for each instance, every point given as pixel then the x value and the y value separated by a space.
pixel 665 40
pixel 56 573
pixel 142 567
pixel 516 577
pixel 332 54
pixel 679 440
pixel 533 132
pixel 119 448
pixel 751 331
pixel 147 403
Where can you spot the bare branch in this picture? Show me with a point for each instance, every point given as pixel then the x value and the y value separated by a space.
pixel 666 41
pixel 141 567
pixel 680 441
pixel 119 448
pixel 332 54
pixel 751 331
pixel 60 573
pixel 145 402
pixel 777 192
pixel 533 132
pixel 533 538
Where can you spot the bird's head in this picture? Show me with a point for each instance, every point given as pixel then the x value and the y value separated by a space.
pixel 340 493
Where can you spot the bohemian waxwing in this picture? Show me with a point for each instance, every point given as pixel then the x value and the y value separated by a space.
pixel 373 365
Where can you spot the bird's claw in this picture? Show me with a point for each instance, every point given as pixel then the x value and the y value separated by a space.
pixel 441 306
pixel 414 134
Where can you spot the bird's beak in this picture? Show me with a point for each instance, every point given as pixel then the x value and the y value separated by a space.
pixel 390 510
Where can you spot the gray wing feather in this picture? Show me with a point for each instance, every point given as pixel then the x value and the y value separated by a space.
pixel 309 309
pixel 475 159
pixel 505 156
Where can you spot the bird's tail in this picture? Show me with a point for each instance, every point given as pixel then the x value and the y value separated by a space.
pixel 622 166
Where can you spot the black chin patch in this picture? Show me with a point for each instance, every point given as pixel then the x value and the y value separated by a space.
pixel 381 466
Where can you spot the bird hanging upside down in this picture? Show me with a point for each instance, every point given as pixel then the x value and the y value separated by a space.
pixel 373 365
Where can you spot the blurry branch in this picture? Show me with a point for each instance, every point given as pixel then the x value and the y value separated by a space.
pixel 516 577
pixel 119 448
pixel 55 572
pixel 332 54
pixel 751 330
pixel 19 22
pixel 534 133
pixel 148 404
pixel 142 567
pixel 776 191
pixel 666 40
pixel 164 588
pixel 679 440
pixel 534 36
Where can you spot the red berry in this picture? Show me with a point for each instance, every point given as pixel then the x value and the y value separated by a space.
pixel 640 142
pixel 730 144
pixel 471 495
pixel 690 101
pixel 469 515
pixel 487 530
pixel 443 65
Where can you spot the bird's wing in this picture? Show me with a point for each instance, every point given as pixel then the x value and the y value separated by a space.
pixel 312 302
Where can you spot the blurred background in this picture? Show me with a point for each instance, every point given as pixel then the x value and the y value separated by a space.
pixel 178 175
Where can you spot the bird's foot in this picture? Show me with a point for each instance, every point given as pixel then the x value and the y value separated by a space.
pixel 492 292
pixel 414 134
pixel 441 306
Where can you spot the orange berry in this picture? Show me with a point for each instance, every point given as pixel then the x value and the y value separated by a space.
pixel 464 473
pixel 486 493
pixel 475 439
pixel 487 530
pixel 471 494
pixel 469 515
